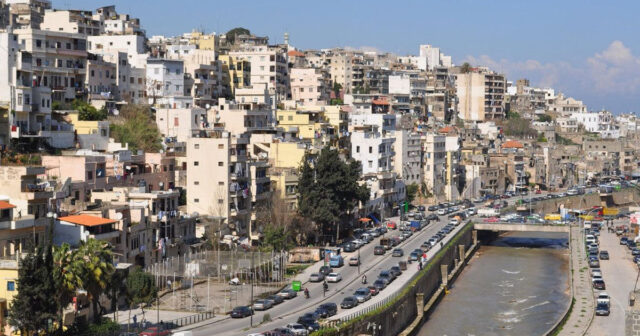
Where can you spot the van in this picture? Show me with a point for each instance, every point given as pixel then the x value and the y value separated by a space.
pixel 336 261
pixel 182 333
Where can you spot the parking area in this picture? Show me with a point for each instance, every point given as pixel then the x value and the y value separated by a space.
pixel 619 273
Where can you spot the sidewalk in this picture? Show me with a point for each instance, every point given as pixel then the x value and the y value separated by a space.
pixel 583 308
pixel 150 315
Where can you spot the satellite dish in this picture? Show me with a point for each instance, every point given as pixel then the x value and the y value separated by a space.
pixel 208 106
pixel 118 216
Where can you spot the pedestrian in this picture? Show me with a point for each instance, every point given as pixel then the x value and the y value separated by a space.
pixel 420 266
pixel 135 320
pixel 441 244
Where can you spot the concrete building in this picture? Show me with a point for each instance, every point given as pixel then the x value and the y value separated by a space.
pixel 310 86
pixel 71 21
pixel 236 73
pixel 408 157
pixel 269 66
pixel 480 95
pixel 165 84
pixel 239 118
pixel 181 124
pixel 435 170
pixel 373 149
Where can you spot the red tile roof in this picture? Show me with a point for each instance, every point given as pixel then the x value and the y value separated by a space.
pixel 446 129
pixel 86 220
pixel 512 144
pixel 6 205
pixel 295 53
pixel 380 102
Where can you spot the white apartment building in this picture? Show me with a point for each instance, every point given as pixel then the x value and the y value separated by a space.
pixel 452 160
pixel 373 149
pixel 310 86
pixel 165 83
pixel 181 123
pixel 601 122
pixel 117 24
pixel 480 95
pixel 269 66
pixel 435 154
pixel 71 21
pixel 565 106
pixel 408 156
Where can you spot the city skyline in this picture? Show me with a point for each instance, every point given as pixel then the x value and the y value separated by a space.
pixel 590 54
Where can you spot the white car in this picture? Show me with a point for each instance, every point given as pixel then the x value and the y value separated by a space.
pixel 454 221
pixel 596 278
pixel 442 212
pixel 334 277
pixel 297 329
pixel 603 297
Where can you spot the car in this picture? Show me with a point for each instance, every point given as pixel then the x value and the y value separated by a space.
pixel 594 262
pixel 348 247
pixel 602 309
pixel 309 315
pixel 624 240
pixel 334 277
pixel 154 331
pixel 275 299
pixel 297 329
pixel 348 302
pixel 287 294
pixel 406 234
pixel 316 277
pixel 603 297
pixel 262 304
pixel 396 270
pixel 599 284
pixel 354 261
pixel 414 256
pixel 325 270
pixel 379 250
pixel 330 307
pixel 309 323
pixel 433 208
pixel 336 261
pixel 281 332
pixel 386 275
pixel 374 290
pixel 596 278
pixel 380 284
pixel 442 212
pixel 596 273
pixel 421 208
pixel 635 251
pixel 398 252
pixel 362 294
pixel 241 311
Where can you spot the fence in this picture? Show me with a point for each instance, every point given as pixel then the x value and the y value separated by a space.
pixel 372 307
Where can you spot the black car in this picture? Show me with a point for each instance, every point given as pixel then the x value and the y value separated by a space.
pixel 604 255
pixel 599 284
pixel 349 302
pixel 325 270
pixel 330 308
pixel 602 309
pixel 276 299
pixel 309 323
pixel 380 284
pixel 395 270
pixel 386 275
pixel 398 252
pixel 420 207
pixel 433 208
pixel 348 247
pixel 433 217
pixel 241 311
pixel 379 250
pixel 623 241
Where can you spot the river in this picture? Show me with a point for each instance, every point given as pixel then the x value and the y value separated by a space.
pixel 516 285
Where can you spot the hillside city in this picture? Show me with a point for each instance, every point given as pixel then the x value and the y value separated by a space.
pixel 132 163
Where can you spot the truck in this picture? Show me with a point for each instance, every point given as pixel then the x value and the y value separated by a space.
pixel 386 242
pixel 488 212
pixel 415 225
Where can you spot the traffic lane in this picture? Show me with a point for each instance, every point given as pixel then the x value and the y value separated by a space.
pixel 290 310
pixel 619 274
pixel 405 277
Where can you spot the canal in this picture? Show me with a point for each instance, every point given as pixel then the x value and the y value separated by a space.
pixel 516 285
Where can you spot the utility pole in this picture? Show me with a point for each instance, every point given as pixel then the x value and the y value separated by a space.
pixel 358 261
pixel 252 277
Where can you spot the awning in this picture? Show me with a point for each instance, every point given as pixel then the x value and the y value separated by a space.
pixel 364 219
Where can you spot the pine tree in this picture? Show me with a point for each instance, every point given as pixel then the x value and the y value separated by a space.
pixel 33 307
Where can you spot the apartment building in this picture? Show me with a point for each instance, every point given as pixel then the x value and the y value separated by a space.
pixel 435 169
pixel 408 156
pixel 565 106
pixel 27 13
pixel 182 123
pixel 480 95
pixel 165 83
pixel 269 66
pixel 236 73
pixel 452 169
pixel 71 21
pixel 374 150
pixel 601 122
pixel 309 126
pixel 310 86
pixel 239 118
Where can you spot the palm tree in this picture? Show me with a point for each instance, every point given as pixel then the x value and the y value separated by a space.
pixel 67 276
pixel 98 267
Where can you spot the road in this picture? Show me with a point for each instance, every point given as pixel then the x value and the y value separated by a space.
pixel 290 310
pixel 619 274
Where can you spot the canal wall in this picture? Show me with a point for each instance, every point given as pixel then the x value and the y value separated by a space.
pixel 617 199
pixel 406 313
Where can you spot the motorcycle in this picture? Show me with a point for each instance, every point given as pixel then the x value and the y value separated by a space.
pixel 364 279
pixel 306 294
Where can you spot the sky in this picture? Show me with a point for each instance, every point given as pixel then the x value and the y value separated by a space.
pixel 589 50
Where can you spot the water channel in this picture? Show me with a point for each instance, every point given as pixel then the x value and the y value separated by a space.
pixel 516 285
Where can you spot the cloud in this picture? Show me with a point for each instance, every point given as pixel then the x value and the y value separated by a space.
pixel 612 72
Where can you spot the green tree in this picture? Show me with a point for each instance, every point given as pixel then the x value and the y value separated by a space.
pixel 337 87
pixel 545 118
pixel 541 138
pixel 231 35
pixel 465 67
pixel 140 289
pixel 87 112
pixel 412 190
pixel 98 267
pixel 329 189
pixel 67 276
pixel 33 307
pixel 135 126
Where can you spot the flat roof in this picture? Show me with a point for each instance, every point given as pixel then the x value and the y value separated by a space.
pixel 6 205
pixel 87 220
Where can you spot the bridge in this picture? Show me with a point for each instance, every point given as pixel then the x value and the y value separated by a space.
pixel 521 227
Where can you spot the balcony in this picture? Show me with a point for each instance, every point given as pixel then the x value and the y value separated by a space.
pixel 106 236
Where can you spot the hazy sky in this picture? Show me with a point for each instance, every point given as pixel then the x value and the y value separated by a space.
pixel 587 49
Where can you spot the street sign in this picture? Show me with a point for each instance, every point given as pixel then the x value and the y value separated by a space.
pixel 609 212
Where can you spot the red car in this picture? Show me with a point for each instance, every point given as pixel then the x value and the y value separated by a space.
pixel 492 220
pixel 538 191
pixel 391 225
pixel 154 331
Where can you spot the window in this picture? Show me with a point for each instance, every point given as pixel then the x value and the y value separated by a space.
pixel 220 164
pixel 196 163
pixel 93 74
pixel 38 43
pixel 196 146
pixel 220 201
pixel 370 149
pixel 89 175
pixel 221 184
pixel 220 146
pixel 196 200
pixel 11 286
pixel 370 164
pixel 357 149
pixel 196 182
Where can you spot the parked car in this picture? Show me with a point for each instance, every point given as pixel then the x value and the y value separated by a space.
pixel 623 241
pixel 380 284
pixel 362 294
pixel 155 331
pixel 316 277
pixel 349 302
pixel 241 311
pixel 297 329
pixel 374 290
pixel 602 309
pixel 414 256
pixel 330 307
pixel 334 277
pixel 354 261
pixel 594 262
pixel 281 332
pixel 379 250
pixel 275 299
pixel 262 304
pixel 287 294
pixel 599 284
pixel 398 252
pixel 336 261
pixel 309 323
pixel 396 270
pixel 386 275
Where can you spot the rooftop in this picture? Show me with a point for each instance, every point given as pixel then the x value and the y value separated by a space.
pixel 6 205
pixel 86 220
